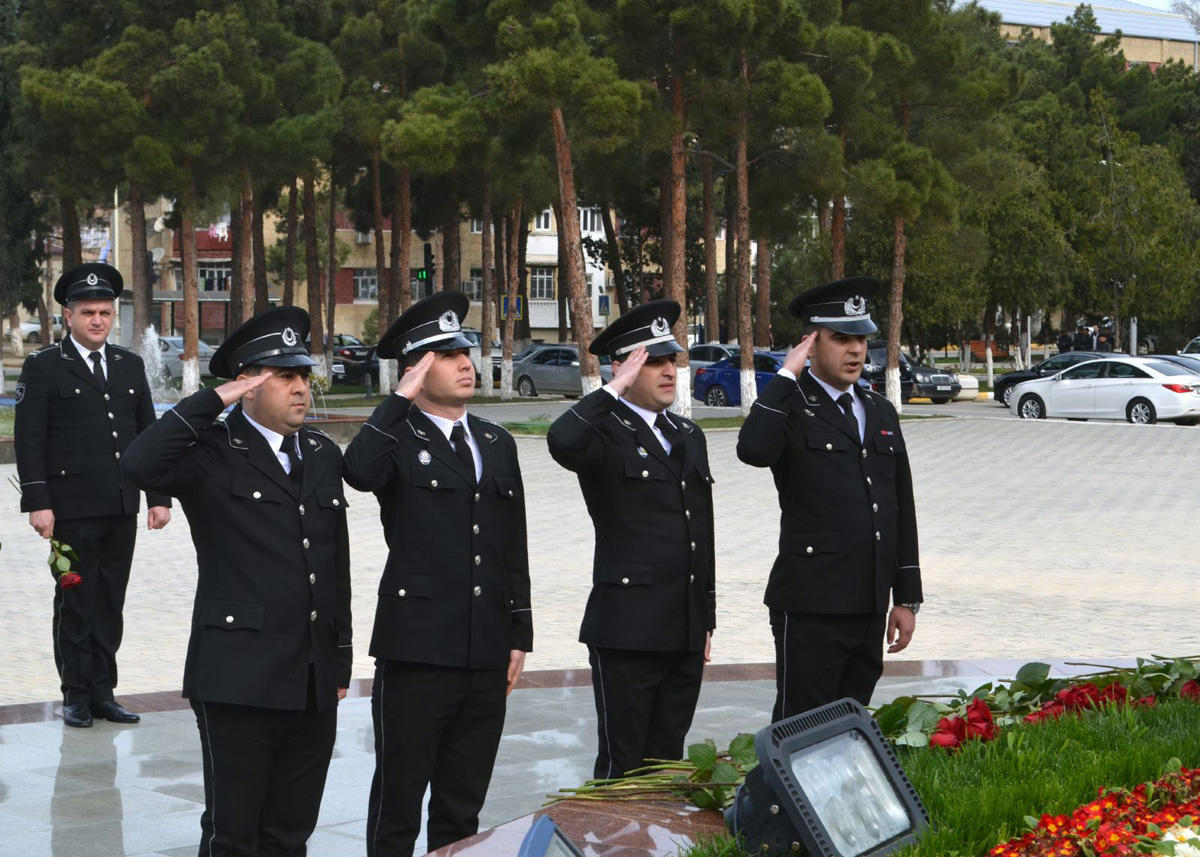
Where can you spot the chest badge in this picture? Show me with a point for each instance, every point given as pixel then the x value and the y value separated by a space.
pixel 810 413
pixel 642 451
pixel 423 457
pixel 489 435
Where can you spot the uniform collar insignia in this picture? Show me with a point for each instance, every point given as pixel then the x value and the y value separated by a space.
pixel 642 451
pixel 423 457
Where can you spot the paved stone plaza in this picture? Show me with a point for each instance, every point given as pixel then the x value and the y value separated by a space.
pixel 1038 539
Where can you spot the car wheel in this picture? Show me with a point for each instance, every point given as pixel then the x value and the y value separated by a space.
pixel 525 387
pixel 940 400
pixel 1031 407
pixel 1141 412
pixel 1006 397
pixel 716 397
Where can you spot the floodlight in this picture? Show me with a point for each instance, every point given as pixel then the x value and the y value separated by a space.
pixel 827 784
pixel 545 839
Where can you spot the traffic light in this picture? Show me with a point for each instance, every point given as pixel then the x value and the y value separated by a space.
pixel 426 273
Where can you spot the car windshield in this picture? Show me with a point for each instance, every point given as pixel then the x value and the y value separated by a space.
pixel 1162 367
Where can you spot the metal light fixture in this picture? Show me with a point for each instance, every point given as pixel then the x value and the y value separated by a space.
pixel 546 839
pixel 827 784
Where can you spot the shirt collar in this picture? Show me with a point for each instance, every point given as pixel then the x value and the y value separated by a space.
pixel 273 438
pixel 833 392
pixel 446 426
pixel 84 352
pixel 648 416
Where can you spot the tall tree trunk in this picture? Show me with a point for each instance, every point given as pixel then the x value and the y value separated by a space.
pixel 233 297
pixel 381 273
pixel 613 257
pixel 245 261
pixel 677 236
pixel 518 234
pixel 577 286
pixel 401 296
pixel 749 389
pixel 488 296
pixel 143 290
pixel 560 291
pixel 191 287
pixel 665 244
pixel 712 303
pixel 762 317
pixel 452 253
pixel 72 245
pixel 837 225
pixel 390 284
pixel 511 253
pixel 896 313
pixel 989 336
pixel 289 248
pixel 732 325
pixel 331 275
pixel 500 236
pixel 312 265
pixel 262 296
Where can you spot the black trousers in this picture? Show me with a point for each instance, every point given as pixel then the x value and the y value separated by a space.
pixel 821 657
pixel 87 617
pixel 644 705
pixel 438 727
pixel 264 773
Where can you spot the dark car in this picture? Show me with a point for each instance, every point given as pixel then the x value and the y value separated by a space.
pixel 916 379
pixel 349 347
pixel 720 384
pixel 1002 391
pixel 351 371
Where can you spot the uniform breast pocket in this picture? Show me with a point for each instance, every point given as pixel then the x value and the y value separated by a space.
pixel 508 488
pixel 77 388
pixel 830 442
pixel 331 497
pixel 432 477
pixel 646 469
pixel 887 445
pixel 234 615
pixel 256 490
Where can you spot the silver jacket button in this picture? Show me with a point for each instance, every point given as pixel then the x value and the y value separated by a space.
pixel 228 620
pixel 478 590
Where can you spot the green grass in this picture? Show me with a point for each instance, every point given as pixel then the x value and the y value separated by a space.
pixel 7 415
pixel 979 796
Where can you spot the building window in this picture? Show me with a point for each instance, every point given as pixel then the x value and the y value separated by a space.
pixel 476 226
pixel 366 284
pixel 589 220
pixel 475 285
pixel 541 283
pixel 214 276
pixel 420 288
pixel 542 221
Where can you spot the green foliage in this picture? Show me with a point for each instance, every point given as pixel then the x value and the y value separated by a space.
pixel 370 328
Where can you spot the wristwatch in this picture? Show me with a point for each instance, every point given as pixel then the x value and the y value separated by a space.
pixel 915 608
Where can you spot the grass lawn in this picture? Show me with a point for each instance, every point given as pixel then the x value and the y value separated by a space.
pixel 6 421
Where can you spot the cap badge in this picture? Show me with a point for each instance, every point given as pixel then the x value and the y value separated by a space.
pixel 92 279
pixel 289 337
pixel 424 457
pixel 448 322
pixel 642 451
pixel 856 305
pixel 659 327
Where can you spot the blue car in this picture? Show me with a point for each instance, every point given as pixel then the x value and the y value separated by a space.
pixel 719 385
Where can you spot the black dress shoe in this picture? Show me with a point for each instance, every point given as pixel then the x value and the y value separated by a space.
pixel 77 715
pixel 113 712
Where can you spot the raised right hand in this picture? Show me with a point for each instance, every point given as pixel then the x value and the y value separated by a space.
pixel 797 356
pixel 413 379
pixel 625 374
pixel 233 390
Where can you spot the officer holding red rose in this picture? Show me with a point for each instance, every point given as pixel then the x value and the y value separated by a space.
pixel 269 654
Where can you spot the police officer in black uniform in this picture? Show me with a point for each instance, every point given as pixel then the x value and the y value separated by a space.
pixel 269 654
pixel 453 621
pixel 79 405
pixel 645 477
pixel 848 527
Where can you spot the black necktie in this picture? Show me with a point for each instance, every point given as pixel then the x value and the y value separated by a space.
pixel 846 401
pixel 673 437
pixel 462 449
pixel 97 369
pixel 288 448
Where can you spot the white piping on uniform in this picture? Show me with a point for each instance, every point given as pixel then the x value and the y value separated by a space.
pixel 604 708
pixel 783 694
pixel 189 425
pixel 381 760
pixel 212 767
pixel 769 408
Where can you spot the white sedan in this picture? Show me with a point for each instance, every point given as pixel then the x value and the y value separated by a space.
pixel 1139 389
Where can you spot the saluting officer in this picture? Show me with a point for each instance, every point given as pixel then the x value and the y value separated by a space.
pixel 848 527
pixel 645 477
pixel 79 405
pixel 453 621
pixel 269 654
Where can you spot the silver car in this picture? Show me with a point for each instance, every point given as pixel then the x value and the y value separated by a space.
pixel 171 354
pixel 553 368
pixel 708 353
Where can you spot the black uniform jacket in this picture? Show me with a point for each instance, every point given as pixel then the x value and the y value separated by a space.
pixel 273 592
pixel 455 589
pixel 847 528
pixel 653 572
pixel 71 432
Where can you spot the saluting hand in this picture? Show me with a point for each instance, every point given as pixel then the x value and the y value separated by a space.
pixel 625 374
pixel 233 390
pixel 797 356
pixel 413 379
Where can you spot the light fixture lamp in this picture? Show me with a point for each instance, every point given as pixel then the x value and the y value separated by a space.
pixel 546 839
pixel 827 784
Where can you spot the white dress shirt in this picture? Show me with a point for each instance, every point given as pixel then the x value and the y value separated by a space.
pixel 274 439
pixel 648 416
pixel 860 412
pixel 446 426
pixel 86 353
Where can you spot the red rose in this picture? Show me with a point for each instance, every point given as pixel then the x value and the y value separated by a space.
pixel 979 721
pixel 1078 696
pixel 1048 711
pixel 69 579
pixel 1115 692
pixel 1147 701
pixel 950 733
pixel 1190 689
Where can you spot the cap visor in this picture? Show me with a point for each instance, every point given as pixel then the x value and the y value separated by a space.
pixel 451 344
pixel 660 349
pixel 858 327
pixel 284 360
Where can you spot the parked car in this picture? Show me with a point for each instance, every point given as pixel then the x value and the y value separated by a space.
pixel 708 353
pixel 349 347
pixel 1187 361
pixel 171 356
pixel 1138 389
pixel 476 352
pixel 720 384
pixel 1192 347
pixel 31 331
pixel 1004 385
pixel 345 370
pixel 553 368
pixel 916 379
